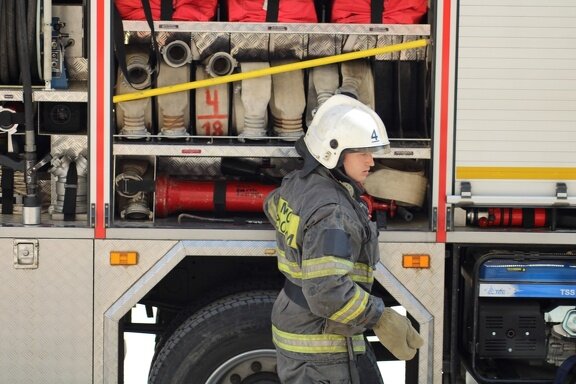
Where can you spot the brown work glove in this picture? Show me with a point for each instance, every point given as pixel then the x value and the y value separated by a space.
pixel 396 333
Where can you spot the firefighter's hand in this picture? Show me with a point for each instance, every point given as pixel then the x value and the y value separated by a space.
pixel 396 333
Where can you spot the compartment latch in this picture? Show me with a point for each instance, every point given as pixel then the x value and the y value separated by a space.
pixel 25 253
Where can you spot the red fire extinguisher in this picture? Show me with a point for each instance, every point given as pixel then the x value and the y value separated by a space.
pixel 508 217
pixel 176 195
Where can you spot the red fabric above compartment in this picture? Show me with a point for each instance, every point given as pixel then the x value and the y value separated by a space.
pixel 290 11
pixel 395 11
pixel 184 10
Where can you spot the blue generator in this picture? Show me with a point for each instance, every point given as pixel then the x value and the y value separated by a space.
pixel 518 316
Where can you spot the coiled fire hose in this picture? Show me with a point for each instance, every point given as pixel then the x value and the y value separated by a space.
pixel 270 71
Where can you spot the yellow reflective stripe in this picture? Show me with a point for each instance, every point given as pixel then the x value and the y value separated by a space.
pixel 353 308
pixel 325 266
pixel 287 223
pixel 516 173
pixel 271 208
pixel 291 268
pixel 318 343
pixel 362 273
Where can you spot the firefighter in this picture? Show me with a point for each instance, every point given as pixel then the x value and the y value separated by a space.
pixel 327 249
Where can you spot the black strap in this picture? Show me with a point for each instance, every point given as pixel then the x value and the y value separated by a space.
pixel 352 362
pixel 294 293
pixel 70 193
pixel 220 198
pixel 155 54
pixel 120 49
pixel 166 10
pixel 272 11
pixel 376 11
pixel 7 190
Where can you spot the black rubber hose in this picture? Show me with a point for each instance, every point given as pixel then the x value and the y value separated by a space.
pixel 4 74
pixel 23 53
pixel 12 37
pixel 32 198
pixel 31 21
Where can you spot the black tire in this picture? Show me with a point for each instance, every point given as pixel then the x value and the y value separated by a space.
pixel 230 337
pixel 172 321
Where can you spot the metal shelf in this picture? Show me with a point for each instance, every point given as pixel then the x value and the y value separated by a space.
pixel 231 147
pixel 289 28
pixel 77 92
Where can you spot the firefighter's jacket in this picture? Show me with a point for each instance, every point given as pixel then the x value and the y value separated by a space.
pixel 327 245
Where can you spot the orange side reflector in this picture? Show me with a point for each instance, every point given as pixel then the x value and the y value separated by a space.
pixel 416 261
pixel 123 258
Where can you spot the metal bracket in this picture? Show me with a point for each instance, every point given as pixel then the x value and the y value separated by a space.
pixel 92 215
pixel 561 191
pixel 107 217
pixel 465 190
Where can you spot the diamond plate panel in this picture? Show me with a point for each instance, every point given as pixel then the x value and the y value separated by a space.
pixel 245 150
pixel 420 287
pixel 286 28
pixel 205 167
pixel 77 68
pixel 207 44
pixel 410 54
pixel 110 284
pixel 68 144
pixel 263 41
pixel 291 46
pixel 46 314
pixel 76 92
pixel 250 46
pixel 324 45
pixel 353 43
pixel 210 167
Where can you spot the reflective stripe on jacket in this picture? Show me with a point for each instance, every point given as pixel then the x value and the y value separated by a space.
pixel 328 246
pixel 322 343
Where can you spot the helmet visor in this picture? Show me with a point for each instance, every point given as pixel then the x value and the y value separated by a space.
pixel 376 151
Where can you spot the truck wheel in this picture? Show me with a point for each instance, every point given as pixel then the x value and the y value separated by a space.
pixel 228 341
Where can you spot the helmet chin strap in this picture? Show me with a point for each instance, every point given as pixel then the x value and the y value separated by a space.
pixel 340 174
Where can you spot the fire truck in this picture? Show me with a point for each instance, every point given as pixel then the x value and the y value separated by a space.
pixel 135 153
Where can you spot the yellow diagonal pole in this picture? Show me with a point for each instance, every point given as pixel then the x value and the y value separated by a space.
pixel 271 70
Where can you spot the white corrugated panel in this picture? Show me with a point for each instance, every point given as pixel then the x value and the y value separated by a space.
pixel 516 91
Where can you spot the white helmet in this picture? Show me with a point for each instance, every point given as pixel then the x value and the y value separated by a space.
pixel 341 123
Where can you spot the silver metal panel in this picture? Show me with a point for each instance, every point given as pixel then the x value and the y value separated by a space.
pixel 210 167
pixel 77 69
pixel 77 92
pixel 516 89
pixel 111 284
pixel 265 41
pixel 192 234
pixel 118 289
pixel 421 292
pixel 243 150
pixel 207 44
pixel 46 314
pixel 281 28
pixel 12 227
pixel 497 236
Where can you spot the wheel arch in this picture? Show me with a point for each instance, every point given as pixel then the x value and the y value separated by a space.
pixel 253 259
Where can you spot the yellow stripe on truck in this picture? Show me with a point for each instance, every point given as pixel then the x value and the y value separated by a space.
pixel 516 173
